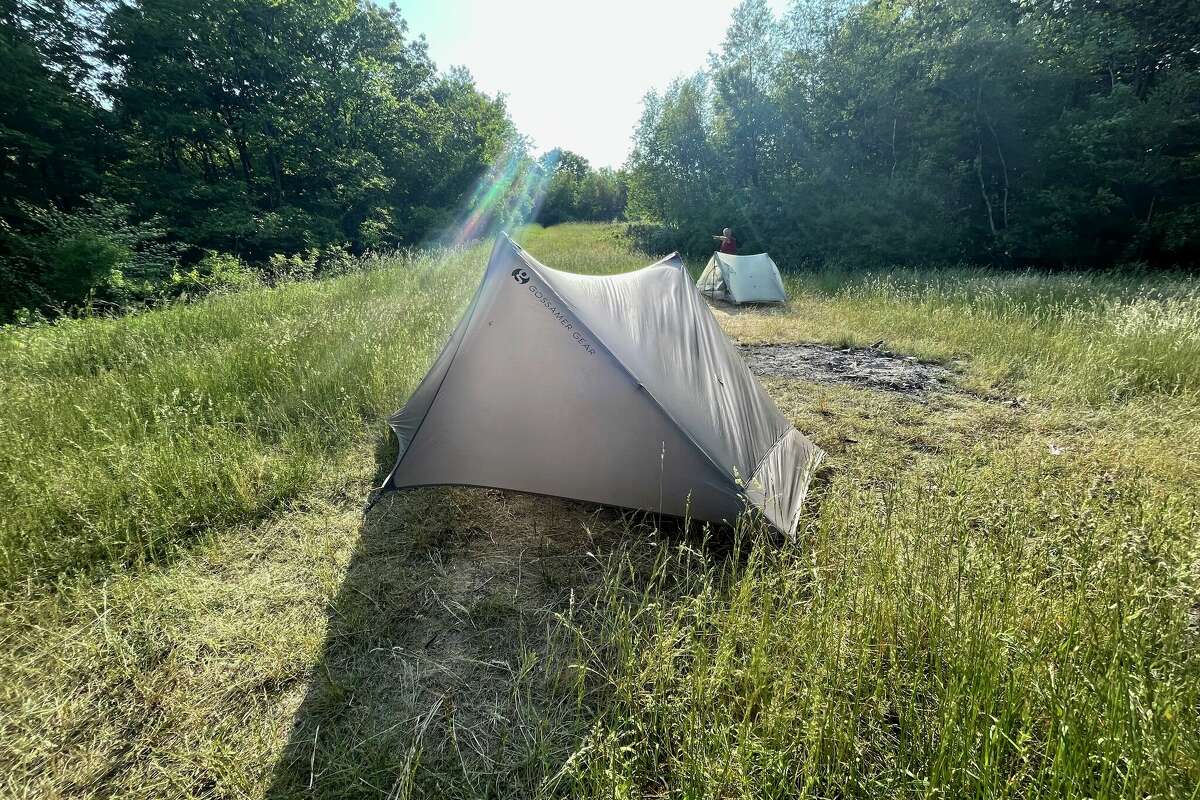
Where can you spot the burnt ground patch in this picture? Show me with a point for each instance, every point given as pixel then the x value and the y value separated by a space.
pixel 861 367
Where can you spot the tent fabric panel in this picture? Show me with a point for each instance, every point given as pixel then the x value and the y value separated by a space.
pixel 712 282
pixel 658 324
pixel 405 422
pixel 533 401
pixel 780 484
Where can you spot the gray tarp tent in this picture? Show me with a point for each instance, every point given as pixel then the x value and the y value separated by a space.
pixel 742 279
pixel 619 389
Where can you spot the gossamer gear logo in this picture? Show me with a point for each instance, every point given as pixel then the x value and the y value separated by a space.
pixel 551 306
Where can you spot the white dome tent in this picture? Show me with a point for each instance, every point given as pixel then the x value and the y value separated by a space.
pixel 742 279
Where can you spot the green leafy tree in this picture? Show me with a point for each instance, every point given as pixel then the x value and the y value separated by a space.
pixel 577 192
pixel 53 132
pixel 917 130
pixel 248 127
pixel 93 255
pixel 673 166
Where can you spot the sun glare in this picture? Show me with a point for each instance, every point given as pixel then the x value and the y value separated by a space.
pixel 507 195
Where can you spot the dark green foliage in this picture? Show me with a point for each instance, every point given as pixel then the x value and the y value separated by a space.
pixel 93 255
pixel 912 130
pixel 248 127
pixel 579 193
pixel 278 127
pixel 54 137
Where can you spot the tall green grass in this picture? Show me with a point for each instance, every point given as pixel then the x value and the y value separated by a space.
pixel 587 248
pixel 996 631
pixel 120 438
pixel 982 602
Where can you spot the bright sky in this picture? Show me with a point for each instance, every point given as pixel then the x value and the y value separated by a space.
pixel 574 71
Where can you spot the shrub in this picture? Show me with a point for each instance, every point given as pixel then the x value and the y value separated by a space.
pixel 215 272
pixel 308 264
pixel 651 237
pixel 93 255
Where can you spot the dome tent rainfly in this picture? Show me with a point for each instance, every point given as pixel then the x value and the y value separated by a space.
pixel 621 390
pixel 742 279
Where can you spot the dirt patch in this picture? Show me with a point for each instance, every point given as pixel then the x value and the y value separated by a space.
pixel 863 367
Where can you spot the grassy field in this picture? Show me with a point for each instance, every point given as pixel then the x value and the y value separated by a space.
pixel 995 590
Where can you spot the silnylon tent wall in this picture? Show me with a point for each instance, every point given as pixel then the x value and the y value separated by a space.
pixel 742 279
pixel 621 390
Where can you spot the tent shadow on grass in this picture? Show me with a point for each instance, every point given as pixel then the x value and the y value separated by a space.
pixel 434 677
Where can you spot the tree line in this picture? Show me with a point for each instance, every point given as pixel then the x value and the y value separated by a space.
pixel 579 192
pixel 151 147
pixel 150 141
pixel 1015 132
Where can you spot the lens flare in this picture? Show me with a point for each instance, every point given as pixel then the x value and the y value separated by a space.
pixel 506 196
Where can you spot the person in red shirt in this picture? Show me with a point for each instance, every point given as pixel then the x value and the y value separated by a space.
pixel 728 243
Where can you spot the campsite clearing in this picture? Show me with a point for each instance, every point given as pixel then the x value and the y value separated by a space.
pixel 994 590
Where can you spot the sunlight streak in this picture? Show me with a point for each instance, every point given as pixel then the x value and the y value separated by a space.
pixel 506 196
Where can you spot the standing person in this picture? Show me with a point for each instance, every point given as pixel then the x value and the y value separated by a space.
pixel 728 243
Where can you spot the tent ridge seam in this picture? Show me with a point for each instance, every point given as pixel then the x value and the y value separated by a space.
pixel 758 467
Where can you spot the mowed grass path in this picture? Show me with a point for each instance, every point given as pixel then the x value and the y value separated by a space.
pixel 996 591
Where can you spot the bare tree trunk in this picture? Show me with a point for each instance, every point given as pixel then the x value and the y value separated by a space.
pixel 987 200
pixel 273 163
pixel 892 176
pixel 244 157
pixel 276 181
pixel 1003 164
